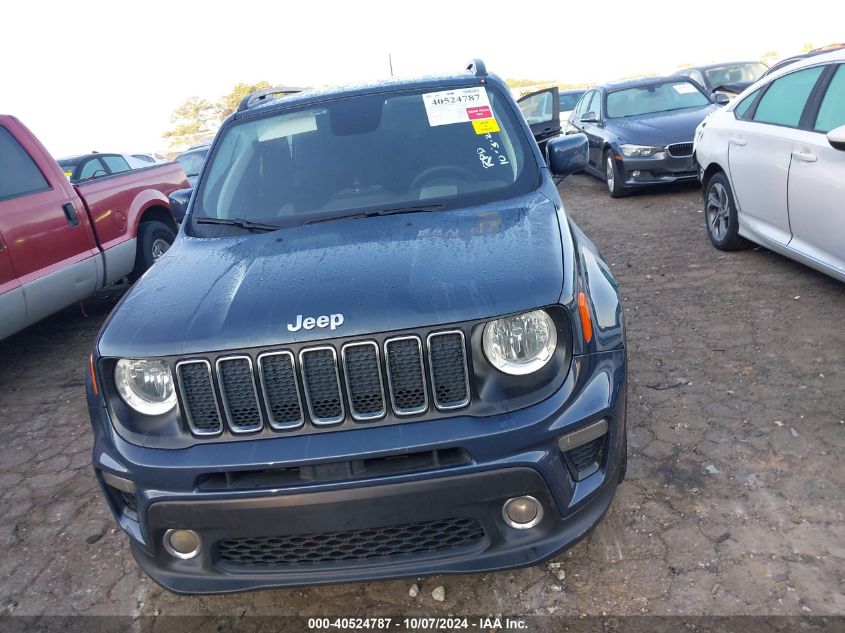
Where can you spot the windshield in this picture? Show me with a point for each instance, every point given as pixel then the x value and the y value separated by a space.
pixel 192 162
pixel 68 165
pixel 674 95
pixel 362 154
pixel 568 101
pixel 735 73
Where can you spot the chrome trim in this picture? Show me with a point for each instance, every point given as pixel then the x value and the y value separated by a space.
pixel 169 548
pixel 582 436
pixel 460 405
pixel 188 417
pixel 522 526
pixel 397 410
pixel 321 421
pixel 236 428
pixel 364 416
pixel 273 423
pixel 690 143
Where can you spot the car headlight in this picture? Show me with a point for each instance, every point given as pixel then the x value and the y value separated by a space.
pixel 520 344
pixel 639 150
pixel 145 385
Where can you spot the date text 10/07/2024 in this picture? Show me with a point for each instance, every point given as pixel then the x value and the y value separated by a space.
pixel 417 623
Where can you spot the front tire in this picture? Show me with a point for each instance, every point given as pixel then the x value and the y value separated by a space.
pixel 720 214
pixel 613 176
pixel 154 240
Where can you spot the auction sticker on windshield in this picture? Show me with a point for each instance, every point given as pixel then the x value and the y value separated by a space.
pixel 461 106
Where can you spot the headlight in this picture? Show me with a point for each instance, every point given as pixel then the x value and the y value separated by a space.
pixel 145 385
pixel 639 150
pixel 520 344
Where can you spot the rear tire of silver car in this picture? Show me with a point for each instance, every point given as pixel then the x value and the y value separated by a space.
pixel 154 239
pixel 613 176
pixel 720 214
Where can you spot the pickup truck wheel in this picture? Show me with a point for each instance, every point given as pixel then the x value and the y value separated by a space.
pixel 154 238
pixel 613 176
pixel 720 214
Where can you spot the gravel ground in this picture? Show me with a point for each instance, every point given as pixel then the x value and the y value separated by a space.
pixel 733 502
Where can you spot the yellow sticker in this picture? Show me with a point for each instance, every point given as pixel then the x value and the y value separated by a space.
pixel 68 174
pixel 485 126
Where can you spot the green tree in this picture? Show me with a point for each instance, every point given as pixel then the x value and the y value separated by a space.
pixel 193 121
pixel 197 119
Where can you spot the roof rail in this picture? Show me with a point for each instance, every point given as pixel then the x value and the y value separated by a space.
pixel 477 67
pixel 260 96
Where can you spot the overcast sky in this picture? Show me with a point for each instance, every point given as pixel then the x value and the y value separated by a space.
pixel 99 75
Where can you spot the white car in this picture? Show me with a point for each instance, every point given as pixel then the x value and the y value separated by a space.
pixel 773 165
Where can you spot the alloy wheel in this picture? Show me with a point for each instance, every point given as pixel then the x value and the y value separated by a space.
pixel 718 211
pixel 160 247
pixel 610 176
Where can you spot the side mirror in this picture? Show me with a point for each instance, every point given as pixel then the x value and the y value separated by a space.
pixel 567 154
pixel 720 98
pixel 589 117
pixel 836 138
pixel 179 203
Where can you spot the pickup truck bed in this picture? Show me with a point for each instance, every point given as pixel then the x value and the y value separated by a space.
pixel 60 242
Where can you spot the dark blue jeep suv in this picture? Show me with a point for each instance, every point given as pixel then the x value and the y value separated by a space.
pixel 388 351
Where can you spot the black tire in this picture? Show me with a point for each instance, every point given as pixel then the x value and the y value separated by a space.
pixel 720 218
pixel 151 236
pixel 623 467
pixel 613 176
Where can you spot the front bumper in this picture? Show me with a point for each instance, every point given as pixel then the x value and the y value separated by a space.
pixel 512 454
pixel 638 172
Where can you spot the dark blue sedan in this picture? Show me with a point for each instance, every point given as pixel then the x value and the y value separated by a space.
pixel 641 131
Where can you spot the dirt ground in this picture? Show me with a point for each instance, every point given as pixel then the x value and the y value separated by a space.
pixel 734 501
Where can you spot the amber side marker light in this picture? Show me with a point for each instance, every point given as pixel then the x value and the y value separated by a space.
pixel 584 313
pixel 93 375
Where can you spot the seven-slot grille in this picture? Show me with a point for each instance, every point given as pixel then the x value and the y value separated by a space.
pixel 320 385
pixel 680 150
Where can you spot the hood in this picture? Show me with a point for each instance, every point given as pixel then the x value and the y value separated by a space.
pixel 381 273
pixel 662 128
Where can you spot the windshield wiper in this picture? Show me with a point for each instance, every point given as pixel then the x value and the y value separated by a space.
pixel 418 208
pixel 249 225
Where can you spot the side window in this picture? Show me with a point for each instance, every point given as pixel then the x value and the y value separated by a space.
pixel 19 175
pixel 116 164
pixel 581 108
pixel 92 168
pixel 832 111
pixel 741 111
pixel 786 97
pixel 697 77
pixel 538 108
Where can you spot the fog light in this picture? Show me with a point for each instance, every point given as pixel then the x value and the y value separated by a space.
pixel 635 173
pixel 184 544
pixel 522 513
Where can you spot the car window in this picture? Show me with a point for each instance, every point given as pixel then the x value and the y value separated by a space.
pixel 591 102
pixel 568 101
pixel 582 102
pixel 832 110
pixel 93 168
pixel 454 148
pixel 784 100
pixel 741 111
pixel 735 73
pixel 538 108
pixel 651 99
pixel 116 164
pixel 19 175
pixel 192 162
pixel 144 157
pixel 695 75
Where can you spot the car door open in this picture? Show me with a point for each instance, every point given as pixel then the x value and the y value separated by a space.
pixel 541 110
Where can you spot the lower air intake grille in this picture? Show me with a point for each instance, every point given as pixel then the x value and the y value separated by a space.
pixel 405 375
pixel 680 150
pixel 240 397
pixel 322 385
pixel 448 370
pixel 586 459
pixel 354 545
pixel 198 396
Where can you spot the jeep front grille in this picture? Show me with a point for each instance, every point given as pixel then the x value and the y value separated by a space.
pixel 325 385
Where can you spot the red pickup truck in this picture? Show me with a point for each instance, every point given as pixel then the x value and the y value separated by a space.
pixel 60 242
